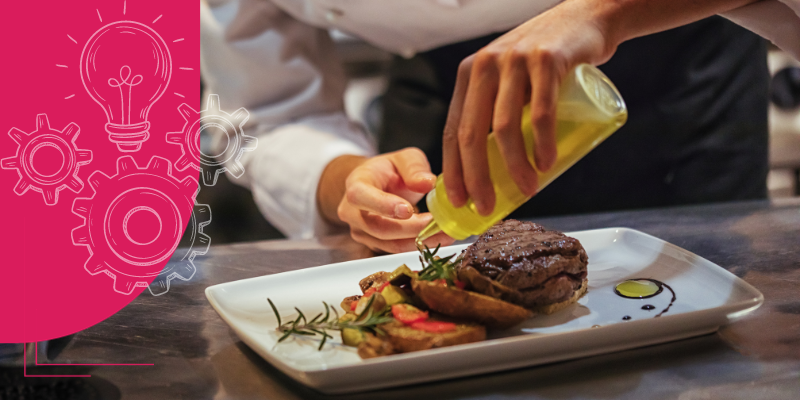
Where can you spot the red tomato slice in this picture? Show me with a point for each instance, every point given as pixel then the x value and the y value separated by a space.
pixel 385 284
pixel 370 291
pixel 353 306
pixel 460 284
pixel 408 314
pixel 434 326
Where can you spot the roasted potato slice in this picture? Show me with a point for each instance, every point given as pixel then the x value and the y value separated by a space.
pixel 375 279
pixel 404 338
pixel 347 303
pixel 470 306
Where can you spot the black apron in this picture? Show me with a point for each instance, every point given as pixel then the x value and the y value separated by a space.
pixel 697 128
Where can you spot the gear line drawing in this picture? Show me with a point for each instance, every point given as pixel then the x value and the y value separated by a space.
pixel 132 258
pixel 236 142
pixel 24 161
pixel 184 269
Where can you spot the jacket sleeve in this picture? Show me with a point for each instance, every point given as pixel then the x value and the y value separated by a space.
pixel 774 20
pixel 289 78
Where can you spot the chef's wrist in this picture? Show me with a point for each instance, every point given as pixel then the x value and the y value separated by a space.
pixel 331 186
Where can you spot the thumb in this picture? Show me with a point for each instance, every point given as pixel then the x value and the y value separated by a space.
pixel 414 169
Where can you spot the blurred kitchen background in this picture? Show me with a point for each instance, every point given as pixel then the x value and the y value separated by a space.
pixel 236 217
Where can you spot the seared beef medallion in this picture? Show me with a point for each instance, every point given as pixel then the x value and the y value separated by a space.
pixel 525 264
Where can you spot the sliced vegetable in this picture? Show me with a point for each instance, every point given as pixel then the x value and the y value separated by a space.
pixel 377 305
pixel 408 314
pixel 352 337
pixel 402 275
pixel 353 306
pixel 394 295
pixel 460 284
pixel 434 326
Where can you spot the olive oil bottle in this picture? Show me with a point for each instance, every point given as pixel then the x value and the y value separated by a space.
pixel 589 110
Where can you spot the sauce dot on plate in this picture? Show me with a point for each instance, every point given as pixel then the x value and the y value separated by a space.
pixel 638 288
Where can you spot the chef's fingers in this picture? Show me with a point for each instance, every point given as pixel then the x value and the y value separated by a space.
pixel 389 229
pixel 398 245
pixel 476 120
pixel 451 156
pixel 365 196
pixel 545 80
pixel 511 98
pixel 412 165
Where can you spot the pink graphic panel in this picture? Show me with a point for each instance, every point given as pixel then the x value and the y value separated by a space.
pixel 92 205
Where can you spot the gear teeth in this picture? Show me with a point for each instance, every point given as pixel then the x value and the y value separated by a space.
pixel 94 266
pixel 249 143
pixel 81 206
pixel 160 164
pixel 236 169
pixel 125 163
pixel 159 286
pixel 75 184
pixel 9 163
pixel 72 130
pixel 84 156
pixel 98 178
pixel 188 183
pixel 124 284
pixel 183 163
pixel 209 176
pixel 80 237
pixel 213 103
pixel 42 123
pixel 240 116
pixel 21 187
pixel 189 114
pixel 202 213
pixel 204 242
pixel 183 271
pixel 175 137
pixel 17 135
pixel 50 196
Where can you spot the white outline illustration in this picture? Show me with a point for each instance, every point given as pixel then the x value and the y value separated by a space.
pixel 153 190
pixel 199 244
pixel 189 140
pixel 121 129
pixel 49 185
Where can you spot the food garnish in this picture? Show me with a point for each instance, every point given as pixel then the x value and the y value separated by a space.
pixel 367 321
pixel 435 268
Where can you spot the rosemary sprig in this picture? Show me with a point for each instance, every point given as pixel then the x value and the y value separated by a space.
pixel 367 321
pixel 434 267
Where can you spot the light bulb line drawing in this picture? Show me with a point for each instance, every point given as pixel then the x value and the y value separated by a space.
pixel 126 80
pixel 126 67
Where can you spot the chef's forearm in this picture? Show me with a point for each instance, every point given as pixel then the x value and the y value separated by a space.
pixel 623 20
pixel 331 187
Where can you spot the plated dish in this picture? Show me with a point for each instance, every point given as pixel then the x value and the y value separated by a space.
pixel 692 296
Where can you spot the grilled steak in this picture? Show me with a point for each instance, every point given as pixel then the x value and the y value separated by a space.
pixel 525 264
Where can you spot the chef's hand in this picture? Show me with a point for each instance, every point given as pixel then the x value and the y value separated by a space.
pixel 526 65
pixel 377 197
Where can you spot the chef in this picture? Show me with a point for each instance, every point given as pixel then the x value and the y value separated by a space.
pixel 314 170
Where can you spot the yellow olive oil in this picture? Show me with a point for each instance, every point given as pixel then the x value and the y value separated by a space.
pixel 589 110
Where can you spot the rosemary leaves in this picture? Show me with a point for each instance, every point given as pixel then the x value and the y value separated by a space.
pixel 368 321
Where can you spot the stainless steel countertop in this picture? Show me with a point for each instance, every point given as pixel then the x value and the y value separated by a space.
pixel 197 356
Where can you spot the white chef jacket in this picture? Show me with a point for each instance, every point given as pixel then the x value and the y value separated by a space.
pixel 275 58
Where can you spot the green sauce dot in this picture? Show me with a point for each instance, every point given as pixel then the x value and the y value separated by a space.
pixel 637 288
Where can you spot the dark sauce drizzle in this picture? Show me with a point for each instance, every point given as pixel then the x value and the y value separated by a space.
pixel 661 286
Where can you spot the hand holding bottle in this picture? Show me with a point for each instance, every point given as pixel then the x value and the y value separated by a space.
pixel 526 65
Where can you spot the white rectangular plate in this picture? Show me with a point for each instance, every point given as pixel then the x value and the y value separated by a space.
pixel 707 296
